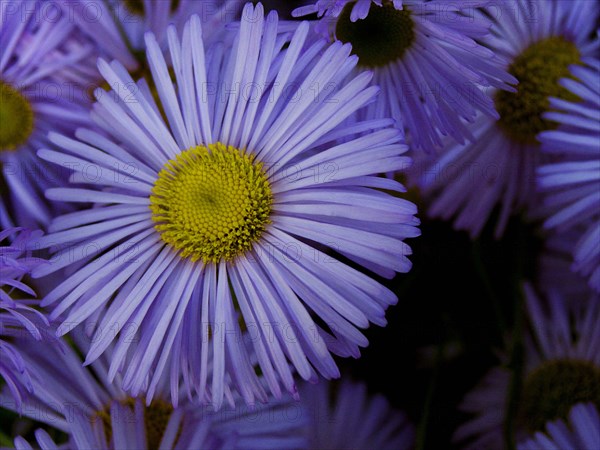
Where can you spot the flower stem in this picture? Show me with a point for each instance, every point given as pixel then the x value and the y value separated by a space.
pixel 516 381
pixel 423 423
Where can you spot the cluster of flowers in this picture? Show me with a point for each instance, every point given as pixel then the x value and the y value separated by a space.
pixel 201 203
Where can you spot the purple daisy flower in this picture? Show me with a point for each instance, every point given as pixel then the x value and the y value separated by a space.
pixel 39 92
pixel 427 58
pixel 561 369
pixel 96 413
pixel 16 316
pixel 224 227
pixel 117 27
pixel 347 417
pixel 572 186
pixel 582 432
pixel 540 39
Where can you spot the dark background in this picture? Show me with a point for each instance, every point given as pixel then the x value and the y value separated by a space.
pixel 456 308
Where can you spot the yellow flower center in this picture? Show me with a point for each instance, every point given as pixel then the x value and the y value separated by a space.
pixel 381 37
pixel 211 203
pixel 538 69
pixel 16 117
pixel 551 390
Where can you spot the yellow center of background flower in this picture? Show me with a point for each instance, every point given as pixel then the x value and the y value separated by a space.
pixel 137 6
pixel 156 419
pixel 16 117
pixel 380 38
pixel 538 69
pixel 551 390
pixel 211 203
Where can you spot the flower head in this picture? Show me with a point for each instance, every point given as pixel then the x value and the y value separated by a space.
pixel 572 185
pixel 38 90
pixel 561 369
pixel 224 227
pixel 426 57
pixel 541 40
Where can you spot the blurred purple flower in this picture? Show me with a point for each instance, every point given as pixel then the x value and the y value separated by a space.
pixel 572 185
pixel 96 413
pixel 540 39
pixel 346 417
pixel 41 91
pixel 117 27
pixel 427 58
pixel 561 367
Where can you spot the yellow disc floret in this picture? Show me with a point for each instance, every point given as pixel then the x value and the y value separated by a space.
pixel 16 117
pixel 538 68
pixel 211 203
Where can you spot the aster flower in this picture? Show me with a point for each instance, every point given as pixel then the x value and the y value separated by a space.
pixel 426 57
pixel 572 186
pixel 561 369
pixel 583 432
pixel 16 316
pixel 210 232
pixel 97 414
pixel 38 95
pixel 540 39
pixel 345 416
pixel 117 27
